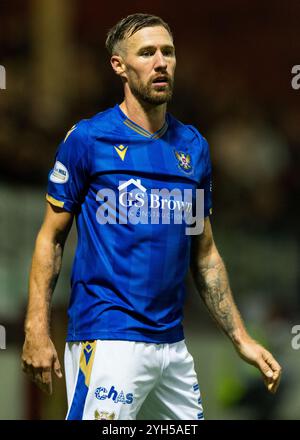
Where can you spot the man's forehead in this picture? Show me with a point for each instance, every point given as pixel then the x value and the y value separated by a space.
pixel 149 36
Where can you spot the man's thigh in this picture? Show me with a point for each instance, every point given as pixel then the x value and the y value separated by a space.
pixel 176 396
pixel 111 380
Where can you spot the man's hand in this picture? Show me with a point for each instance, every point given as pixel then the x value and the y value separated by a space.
pixel 38 358
pixel 39 354
pixel 212 282
pixel 255 354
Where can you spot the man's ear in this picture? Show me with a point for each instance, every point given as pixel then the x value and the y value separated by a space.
pixel 118 65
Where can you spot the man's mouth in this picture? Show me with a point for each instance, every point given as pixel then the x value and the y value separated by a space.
pixel 161 80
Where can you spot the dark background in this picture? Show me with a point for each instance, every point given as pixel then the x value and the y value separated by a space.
pixel 233 82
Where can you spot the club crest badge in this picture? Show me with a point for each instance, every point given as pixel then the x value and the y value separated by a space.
pixel 104 415
pixel 184 161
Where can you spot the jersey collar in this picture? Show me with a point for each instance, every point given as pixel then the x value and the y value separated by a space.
pixel 140 130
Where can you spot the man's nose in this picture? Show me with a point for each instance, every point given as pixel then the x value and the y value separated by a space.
pixel 160 61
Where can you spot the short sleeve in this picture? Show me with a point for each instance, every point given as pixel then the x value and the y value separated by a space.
pixel 67 181
pixel 206 180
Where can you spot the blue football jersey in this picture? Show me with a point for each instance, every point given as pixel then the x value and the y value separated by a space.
pixel 127 190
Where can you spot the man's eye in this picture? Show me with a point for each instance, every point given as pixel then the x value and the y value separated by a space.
pixel 146 54
pixel 168 53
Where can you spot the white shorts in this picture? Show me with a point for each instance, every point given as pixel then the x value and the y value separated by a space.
pixel 130 380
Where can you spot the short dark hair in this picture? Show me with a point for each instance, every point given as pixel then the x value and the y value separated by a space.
pixel 130 25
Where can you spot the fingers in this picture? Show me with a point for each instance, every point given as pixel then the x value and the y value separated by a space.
pixel 265 368
pixel 272 385
pixel 27 370
pixel 255 354
pixel 57 367
pixel 46 380
pixel 272 371
pixel 268 358
pixel 38 359
pixel 40 376
pixel 274 382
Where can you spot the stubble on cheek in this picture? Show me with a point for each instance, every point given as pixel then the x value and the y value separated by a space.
pixel 148 93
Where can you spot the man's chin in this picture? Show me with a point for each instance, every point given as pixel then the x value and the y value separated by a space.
pixel 158 97
pixel 162 95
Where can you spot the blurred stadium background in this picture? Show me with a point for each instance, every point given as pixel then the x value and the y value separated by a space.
pixel 234 83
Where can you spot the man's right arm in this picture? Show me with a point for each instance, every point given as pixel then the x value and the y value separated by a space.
pixel 39 355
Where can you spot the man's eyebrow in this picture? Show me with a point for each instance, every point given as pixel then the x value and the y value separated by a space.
pixel 151 47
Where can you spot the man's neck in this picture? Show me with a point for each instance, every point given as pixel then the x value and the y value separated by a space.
pixel 147 116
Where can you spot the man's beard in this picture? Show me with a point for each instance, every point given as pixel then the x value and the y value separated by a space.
pixel 147 93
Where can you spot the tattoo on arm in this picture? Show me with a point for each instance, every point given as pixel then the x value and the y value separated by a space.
pixel 213 285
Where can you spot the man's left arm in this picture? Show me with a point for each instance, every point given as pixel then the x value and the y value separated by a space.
pixel 212 283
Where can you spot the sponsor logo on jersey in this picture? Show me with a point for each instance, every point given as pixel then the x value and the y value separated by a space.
pixel 156 199
pixel 121 150
pixel 59 173
pixel 104 415
pixel 101 393
pixel 136 182
pixel 135 204
pixel 184 161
